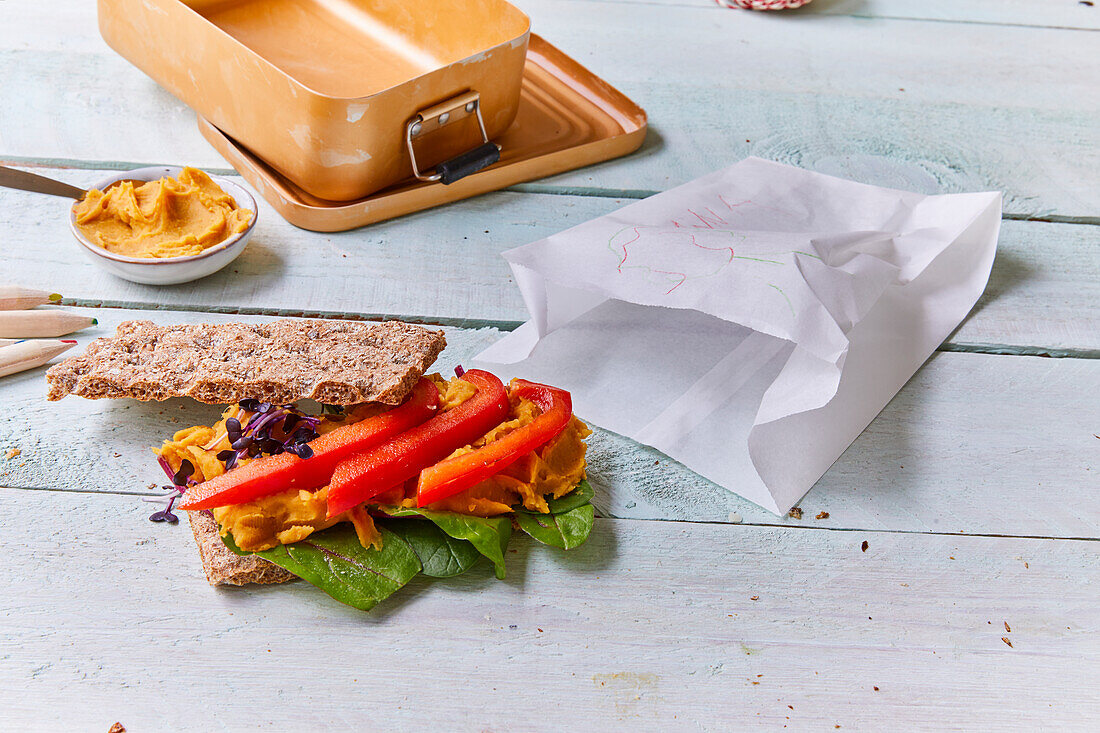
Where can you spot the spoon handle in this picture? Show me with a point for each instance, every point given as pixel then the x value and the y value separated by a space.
pixel 11 178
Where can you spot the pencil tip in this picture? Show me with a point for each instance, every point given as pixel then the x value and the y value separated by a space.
pixel 55 297
pixel 68 341
pixel 95 321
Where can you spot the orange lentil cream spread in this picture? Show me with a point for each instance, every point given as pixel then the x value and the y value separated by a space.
pixel 549 472
pixel 172 217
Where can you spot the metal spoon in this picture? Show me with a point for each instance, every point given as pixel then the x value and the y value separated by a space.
pixel 11 178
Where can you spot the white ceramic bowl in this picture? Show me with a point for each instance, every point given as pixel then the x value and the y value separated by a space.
pixel 170 270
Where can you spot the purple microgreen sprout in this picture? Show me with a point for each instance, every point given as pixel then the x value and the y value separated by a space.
pixel 181 479
pixel 255 439
pixel 250 405
pixel 248 441
pixel 166 515
pixel 264 421
pixel 187 469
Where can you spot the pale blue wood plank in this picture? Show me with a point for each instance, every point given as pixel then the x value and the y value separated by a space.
pixel 445 265
pixel 960 449
pixel 982 107
pixel 649 626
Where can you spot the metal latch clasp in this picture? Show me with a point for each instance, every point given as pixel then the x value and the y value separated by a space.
pixel 436 117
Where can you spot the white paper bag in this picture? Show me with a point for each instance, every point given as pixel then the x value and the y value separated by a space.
pixel 750 323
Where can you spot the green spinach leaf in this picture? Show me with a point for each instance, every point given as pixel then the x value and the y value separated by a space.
pixel 575 498
pixel 227 538
pixel 335 562
pixel 446 545
pixel 565 530
pixel 489 535
pixel 441 555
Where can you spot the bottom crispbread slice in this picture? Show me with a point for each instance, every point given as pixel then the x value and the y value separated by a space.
pixel 222 566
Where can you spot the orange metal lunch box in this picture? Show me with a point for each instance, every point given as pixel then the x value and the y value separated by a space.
pixel 342 97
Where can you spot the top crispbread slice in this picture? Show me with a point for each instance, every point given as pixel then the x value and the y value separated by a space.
pixel 335 362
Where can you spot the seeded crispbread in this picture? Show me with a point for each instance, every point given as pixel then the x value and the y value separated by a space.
pixel 222 566
pixel 335 362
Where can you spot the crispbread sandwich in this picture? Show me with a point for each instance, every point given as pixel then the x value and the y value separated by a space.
pixel 396 474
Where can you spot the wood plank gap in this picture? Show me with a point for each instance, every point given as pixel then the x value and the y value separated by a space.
pixel 122 165
pixel 590 191
pixel 65 490
pixel 1009 350
pixel 1054 219
pixel 504 325
pixel 108 165
pixel 933 533
pixel 548 189
pixel 960 21
pixel 814 11
pixel 468 323
pixel 773 525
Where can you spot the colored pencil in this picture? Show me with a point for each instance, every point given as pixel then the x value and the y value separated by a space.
pixel 16 298
pixel 8 342
pixel 41 323
pixel 29 354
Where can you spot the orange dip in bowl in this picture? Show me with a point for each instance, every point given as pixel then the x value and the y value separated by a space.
pixel 171 217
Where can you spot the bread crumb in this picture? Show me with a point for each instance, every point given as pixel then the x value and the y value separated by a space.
pixel 822 515
pixel 864 546
pixel 1006 641
pixel 1008 628
pixel 13 453
pixel 754 598
pixel 117 728
pixel 795 513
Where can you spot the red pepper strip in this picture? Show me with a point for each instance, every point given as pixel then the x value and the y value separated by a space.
pixel 461 472
pixel 367 474
pixel 275 474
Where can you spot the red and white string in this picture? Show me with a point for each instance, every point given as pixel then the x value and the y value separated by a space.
pixel 762 4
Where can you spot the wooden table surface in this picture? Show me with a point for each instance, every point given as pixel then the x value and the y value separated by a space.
pixel 975 602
